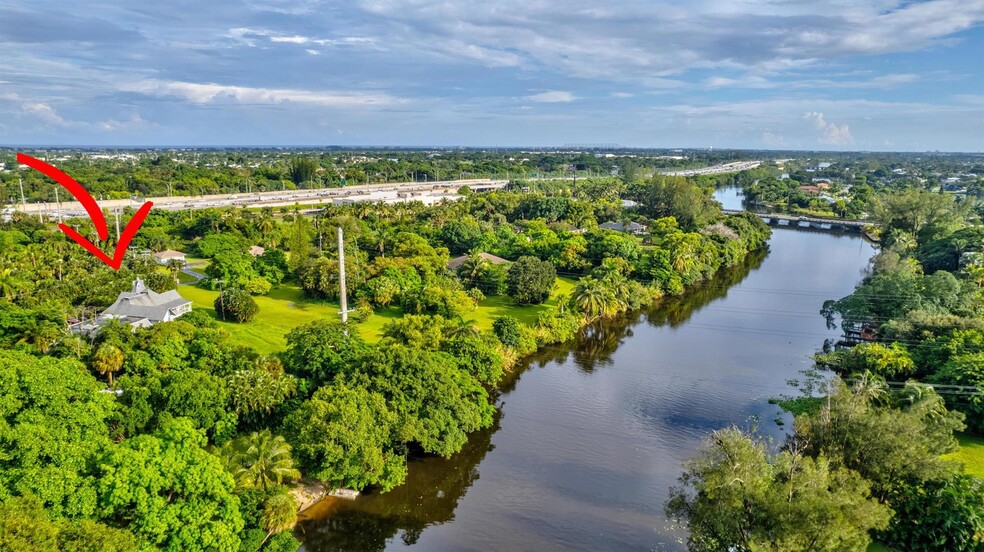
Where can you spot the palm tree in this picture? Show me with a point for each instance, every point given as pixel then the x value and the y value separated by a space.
pixel 43 336
pixel 279 514
pixel 266 226
pixel 175 266
pixel 260 460
pixel 595 298
pixel 470 269
pixel 462 328
pixel 107 359
pixel 8 284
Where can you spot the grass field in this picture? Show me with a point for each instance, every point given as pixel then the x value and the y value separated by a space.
pixel 971 454
pixel 285 308
pixel 185 278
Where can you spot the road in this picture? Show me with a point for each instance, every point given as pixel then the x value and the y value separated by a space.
pixel 392 192
pixel 717 169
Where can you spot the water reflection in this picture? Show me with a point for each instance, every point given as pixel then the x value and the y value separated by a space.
pixel 430 496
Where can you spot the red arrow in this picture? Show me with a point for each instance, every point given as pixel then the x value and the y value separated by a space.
pixel 95 214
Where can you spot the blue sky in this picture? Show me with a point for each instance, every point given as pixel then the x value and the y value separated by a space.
pixel 799 74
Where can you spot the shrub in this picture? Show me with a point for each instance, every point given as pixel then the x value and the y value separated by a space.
pixel 236 305
pixel 965 369
pixel 440 298
pixel 941 514
pixel 258 286
pixel 476 295
pixel 515 335
pixel 557 327
pixel 530 280
pixel 506 328
pixel 888 361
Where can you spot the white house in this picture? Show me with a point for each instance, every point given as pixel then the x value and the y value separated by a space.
pixel 140 308
pixel 629 228
pixel 165 257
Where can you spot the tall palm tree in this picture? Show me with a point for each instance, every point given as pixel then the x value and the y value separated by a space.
pixel 175 266
pixel 266 226
pixel 261 459
pixel 107 359
pixel 279 514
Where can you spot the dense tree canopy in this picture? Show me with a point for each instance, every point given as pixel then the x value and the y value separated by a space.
pixel 736 496
pixel 52 426
pixel 344 436
pixel 169 490
pixel 530 280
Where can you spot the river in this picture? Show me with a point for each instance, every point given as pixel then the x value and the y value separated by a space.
pixel 590 435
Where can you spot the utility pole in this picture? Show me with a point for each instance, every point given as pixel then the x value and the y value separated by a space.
pixel 341 276
pixel 20 183
pixel 58 207
pixel 117 225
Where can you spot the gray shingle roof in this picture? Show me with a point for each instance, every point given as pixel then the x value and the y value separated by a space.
pixel 141 302
pixel 458 261
pixel 622 227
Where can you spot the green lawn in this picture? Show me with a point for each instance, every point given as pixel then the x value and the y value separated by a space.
pixel 281 310
pixel 971 454
pixel 285 308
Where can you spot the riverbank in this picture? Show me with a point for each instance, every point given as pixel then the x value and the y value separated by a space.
pixel 590 433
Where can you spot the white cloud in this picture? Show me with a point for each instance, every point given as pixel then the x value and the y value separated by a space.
pixel 249 36
pixel 45 113
pixel 202 93
pixel 643 40
pixel 798 82
pixel 830 133
pixel 135 122
pixel 291 39
pixel 552 96
pixel 37 112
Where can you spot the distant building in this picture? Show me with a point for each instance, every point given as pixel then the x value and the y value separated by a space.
pixel 256 251
pixel 628 203
pixel 454 263
pixel 627 227
pixel 812 190
pixel 140 308
pixel 165 257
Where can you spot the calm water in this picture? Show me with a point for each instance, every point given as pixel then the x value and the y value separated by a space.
pixel 590 435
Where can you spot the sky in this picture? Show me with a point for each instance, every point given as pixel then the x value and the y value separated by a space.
pixel 751 74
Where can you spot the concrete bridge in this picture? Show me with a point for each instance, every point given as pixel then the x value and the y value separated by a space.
pixel 814 223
